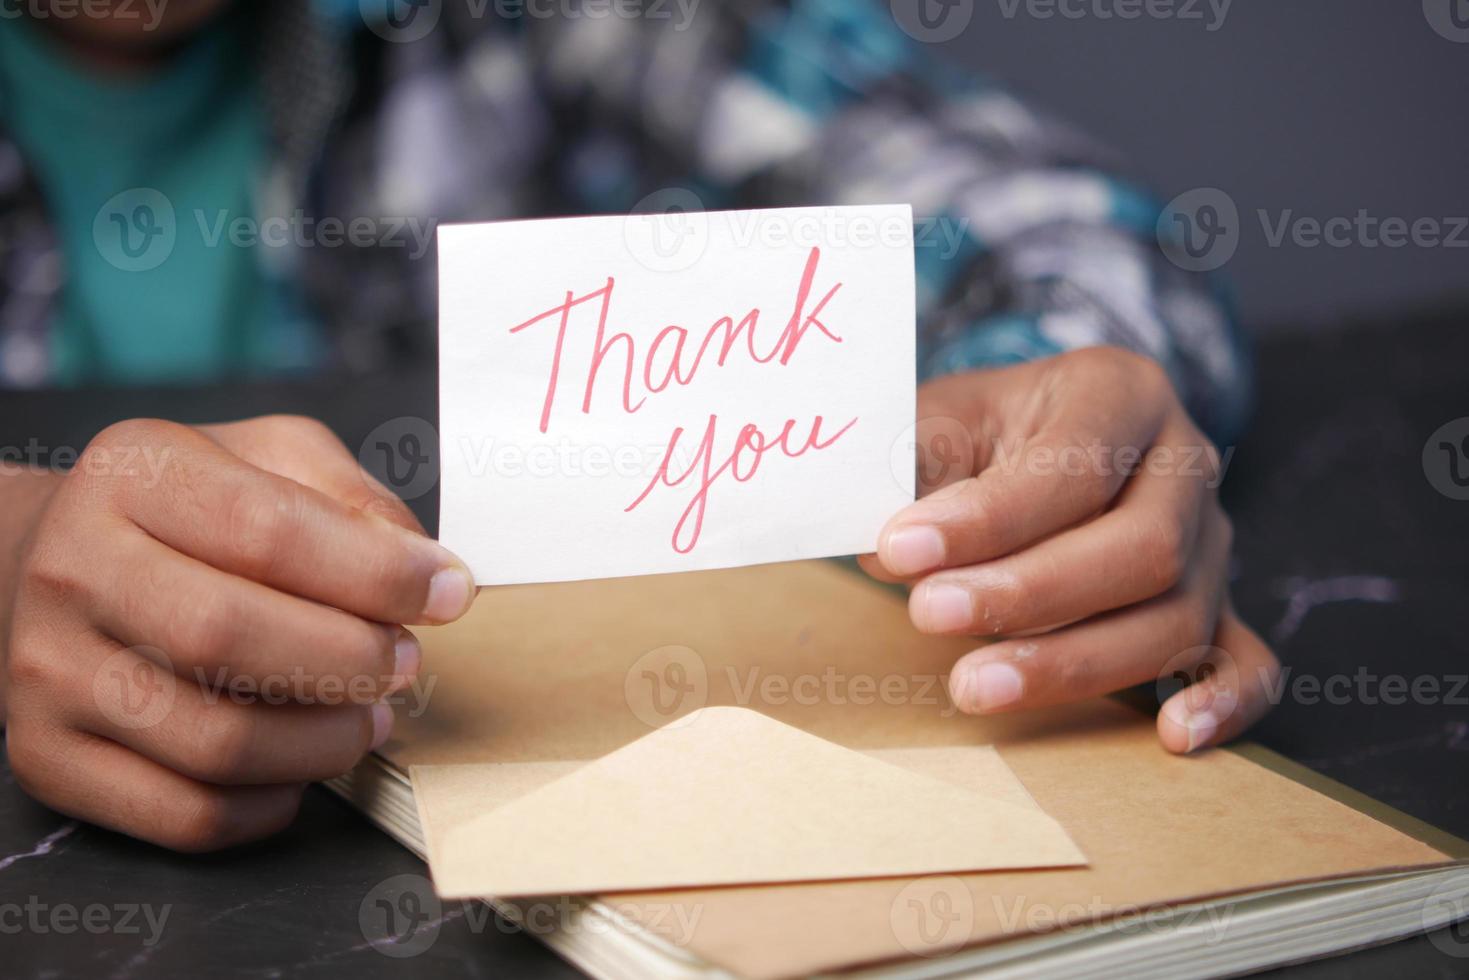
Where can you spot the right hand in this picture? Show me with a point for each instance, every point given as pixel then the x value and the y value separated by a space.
pixel 258 554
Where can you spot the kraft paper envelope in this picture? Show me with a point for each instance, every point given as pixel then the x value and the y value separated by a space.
pixel 450 795
pixel 729 796
pixel 561 674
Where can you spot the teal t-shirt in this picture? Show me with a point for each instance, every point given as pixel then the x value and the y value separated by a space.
pixel 150 181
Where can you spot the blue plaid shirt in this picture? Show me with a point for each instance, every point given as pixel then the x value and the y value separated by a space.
pixel 456 111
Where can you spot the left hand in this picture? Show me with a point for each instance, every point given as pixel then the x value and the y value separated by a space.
pixel 1080 526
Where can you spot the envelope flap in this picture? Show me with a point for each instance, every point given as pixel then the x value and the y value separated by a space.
pixel 727 796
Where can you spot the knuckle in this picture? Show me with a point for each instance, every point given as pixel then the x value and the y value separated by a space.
pixel 49 570
pixel 1164 551
pixel 134 432
pixel 1117 370
pixel 44 760
pixel 205 626
pixel 297 427
pixel 224 747
pixel 1141 370
pixel 29 761
pixel 1086 358
pixel 109 466
pixel 203 822
pixel 261 520
pixel 32 668
pixel 1126 370
pixel 208 818
pixel 1102 357
pixel 381 504
pixel 114 452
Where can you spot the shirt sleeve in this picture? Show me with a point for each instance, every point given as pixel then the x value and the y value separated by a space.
pixel 1026 242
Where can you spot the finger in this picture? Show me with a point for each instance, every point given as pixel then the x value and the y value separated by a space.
pixel 1042 484
pixel 219 630
pixel 103 783
pixel 219 738
pixel 1230 695
pixel 1103 654
pixel 1144 544
pixel 873 567
pixel 243 520
pixel 305 450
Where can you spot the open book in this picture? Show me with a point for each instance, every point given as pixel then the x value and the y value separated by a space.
pixel 1222 864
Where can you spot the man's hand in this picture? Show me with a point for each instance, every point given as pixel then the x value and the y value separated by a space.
pixel 1069 510
pixel 255 558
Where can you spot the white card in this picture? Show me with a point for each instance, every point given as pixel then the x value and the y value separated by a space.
pixel 584 435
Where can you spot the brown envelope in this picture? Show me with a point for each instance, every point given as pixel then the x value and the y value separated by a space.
pixel 725 796
pixel 572 672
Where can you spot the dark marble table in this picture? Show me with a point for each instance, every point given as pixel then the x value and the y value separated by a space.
pixel 1350 561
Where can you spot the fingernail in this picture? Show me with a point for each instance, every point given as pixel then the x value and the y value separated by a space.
pixel 382 724
pixel 407 658
pixel 989 687
pixel 946 609
pixel 1201 730
pixel 449 593
pixel 910 550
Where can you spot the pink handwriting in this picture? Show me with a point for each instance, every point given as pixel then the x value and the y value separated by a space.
pixel 676 371
pixel 750 438
pixel 670 348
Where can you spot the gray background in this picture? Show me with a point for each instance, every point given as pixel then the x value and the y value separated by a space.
pixel 1320 106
